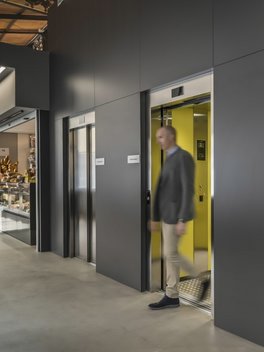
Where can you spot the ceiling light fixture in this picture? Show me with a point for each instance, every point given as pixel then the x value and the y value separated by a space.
pixel 2 68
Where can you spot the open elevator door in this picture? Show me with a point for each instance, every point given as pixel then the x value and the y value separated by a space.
pixel 187 107
pixel 82 229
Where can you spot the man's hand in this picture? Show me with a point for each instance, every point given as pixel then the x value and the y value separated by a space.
pixel 180 228
pixel 154 226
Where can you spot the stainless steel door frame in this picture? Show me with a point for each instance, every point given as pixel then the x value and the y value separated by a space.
pixel 81 192
pixel 92 190
pixel 71 195
pixel 161 97
pixel 81 187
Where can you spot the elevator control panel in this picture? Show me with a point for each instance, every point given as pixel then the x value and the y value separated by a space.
pixel 201 150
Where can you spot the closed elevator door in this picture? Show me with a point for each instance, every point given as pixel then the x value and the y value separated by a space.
pixel 82 180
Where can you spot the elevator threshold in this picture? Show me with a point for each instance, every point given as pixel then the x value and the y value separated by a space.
pixel 196 305
pixel 84 261
pixel 190 289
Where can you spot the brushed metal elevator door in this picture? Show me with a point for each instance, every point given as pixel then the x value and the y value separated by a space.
pixel 82 190
pixel 80 170
pixel 92 180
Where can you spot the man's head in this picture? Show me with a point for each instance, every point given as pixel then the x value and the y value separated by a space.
pixel 166 137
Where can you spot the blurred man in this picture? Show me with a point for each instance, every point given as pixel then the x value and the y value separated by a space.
pixel 173 207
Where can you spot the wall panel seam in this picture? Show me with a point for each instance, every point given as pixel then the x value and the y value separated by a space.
pixel 239 58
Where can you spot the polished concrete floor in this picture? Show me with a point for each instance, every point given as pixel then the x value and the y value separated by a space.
pixel 51 304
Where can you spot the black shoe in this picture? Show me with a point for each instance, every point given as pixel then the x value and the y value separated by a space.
pixel 204 288
pixel 165 302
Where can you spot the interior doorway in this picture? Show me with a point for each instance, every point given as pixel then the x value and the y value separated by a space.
pixel 187 107
pixel 82 188
pixel 18 179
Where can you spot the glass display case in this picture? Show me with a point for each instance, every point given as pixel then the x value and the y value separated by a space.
pixel 17 206
pixel 16 196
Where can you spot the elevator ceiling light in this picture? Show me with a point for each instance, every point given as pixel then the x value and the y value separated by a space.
pixel 198 115
pixel 2 68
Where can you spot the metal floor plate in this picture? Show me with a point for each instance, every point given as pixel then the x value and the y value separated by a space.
pixel 190 290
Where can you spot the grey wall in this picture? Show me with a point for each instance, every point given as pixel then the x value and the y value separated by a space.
pixel 116 49
pixel 43 189
pixel 118 191
pixel 112 52
pixel 238 28
pixel 72 57
pixel 239 195
pixel 32 75
pixel 238 225
pixel 176 40
pixel 9 140
pixel 56 186
pixel 32 89
pixel 7 93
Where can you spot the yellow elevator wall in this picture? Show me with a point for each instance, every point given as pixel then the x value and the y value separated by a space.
pixel 189 130
pixel 201 186
pixel 182 120
pixel 155 170
pixel 209 132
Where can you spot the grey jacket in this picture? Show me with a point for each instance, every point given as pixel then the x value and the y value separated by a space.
pixel 175 189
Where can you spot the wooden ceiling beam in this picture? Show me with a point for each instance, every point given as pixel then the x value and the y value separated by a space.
pixel 24 17
pixel 10 24
pixel 21 6
pixel 20 31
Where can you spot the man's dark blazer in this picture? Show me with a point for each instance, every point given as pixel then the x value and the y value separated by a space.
pixel 175 189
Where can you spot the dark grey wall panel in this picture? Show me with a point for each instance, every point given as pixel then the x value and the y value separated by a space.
pixel 72 90
pixel 56 186
pixel 176 40
pixel 32 75
pixel 43 189
pixel 72 57
pixel 116 49
pixel 239 197
pixel 118 191
pixel 238 28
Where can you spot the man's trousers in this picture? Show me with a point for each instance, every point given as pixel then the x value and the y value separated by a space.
pixel 174 260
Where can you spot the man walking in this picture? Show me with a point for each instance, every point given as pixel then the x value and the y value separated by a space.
pixel 173 207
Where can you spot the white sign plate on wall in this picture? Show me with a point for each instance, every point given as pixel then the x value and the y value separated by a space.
pixel 4 151
pixel 133 159
pixel 99 161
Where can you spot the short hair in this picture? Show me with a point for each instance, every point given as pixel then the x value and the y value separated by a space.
pixel 171 130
